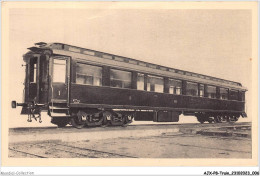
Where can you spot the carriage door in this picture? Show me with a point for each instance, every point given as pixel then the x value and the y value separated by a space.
pixel 42 84
pixel 60 79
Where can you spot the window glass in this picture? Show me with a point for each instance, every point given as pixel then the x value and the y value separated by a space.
pixel 192 89
pixel 33 68
pixel 154 84
pixel 223 93
pixel 212 92
pixel 88 74
pixel 233 95
pixel 120 78
pixel 33 73
pixel 140 81
pixel 59 70
pixel 175 86
pixel 202 87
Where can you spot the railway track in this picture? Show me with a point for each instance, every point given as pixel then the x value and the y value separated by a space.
pixel 134 142
pixel 72 134
pixel 57 150
pixel 201 147
pixel 50 129
pixel 26 153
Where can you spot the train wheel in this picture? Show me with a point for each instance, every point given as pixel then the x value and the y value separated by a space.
pixel 60 121
pixel 76 124
pixel 210 120
pixel 117 120
pixel 228 118
pixel 200 119
pixel 105 122
pixel 234 118
pixel 127 119
pixel 221 119
pixel 217 119
pixel 225 118
pixel 77 120
pixel 107 116
pixel 61 125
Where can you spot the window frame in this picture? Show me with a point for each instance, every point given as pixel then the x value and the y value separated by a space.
pixel 66 69
pixel 208 92
pixel 94 65
pixel 227 93
pixel 131 77
pixel 203 92
pixel 174 90
pixel 137 81
pixel 152 75
pixel 187 82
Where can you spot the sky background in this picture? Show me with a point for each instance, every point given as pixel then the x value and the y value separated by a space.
pixel 210 42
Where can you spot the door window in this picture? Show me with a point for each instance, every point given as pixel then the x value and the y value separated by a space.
pixel 33 70
pixel 59 70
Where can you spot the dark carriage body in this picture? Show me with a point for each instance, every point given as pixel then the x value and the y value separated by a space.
pixel 64 80
pixel 107 97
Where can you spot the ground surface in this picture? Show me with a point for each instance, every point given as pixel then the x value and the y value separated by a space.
pixel 194 140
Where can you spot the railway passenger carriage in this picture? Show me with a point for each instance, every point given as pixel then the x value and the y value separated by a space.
pixel 90 88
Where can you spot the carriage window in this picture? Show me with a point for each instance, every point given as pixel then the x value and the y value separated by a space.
pixel 88 74
pixel 33 73
pixel 120 78
pixel 212 92
pixel 140 81
pixel 223 93
pixel 233 95
pixel 192 89
pixel 175 86
pixel 154 84
pixel 202 87
pixel 59 70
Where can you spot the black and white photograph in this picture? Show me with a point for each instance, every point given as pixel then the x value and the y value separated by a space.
pixel 130 84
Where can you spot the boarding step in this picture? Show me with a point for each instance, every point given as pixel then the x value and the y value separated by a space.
pixel 53 114
pixel 59 109
pixel 57 104
pixel 58 101
pixel 56 107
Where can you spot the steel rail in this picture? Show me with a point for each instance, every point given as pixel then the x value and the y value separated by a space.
pixel 96 151
pixel 39 156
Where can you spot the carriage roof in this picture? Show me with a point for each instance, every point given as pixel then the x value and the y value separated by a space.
pixel 133 64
